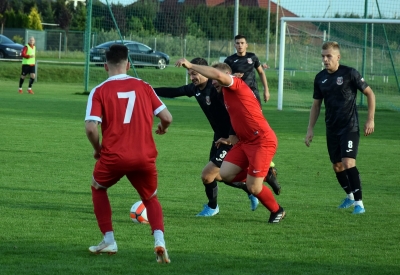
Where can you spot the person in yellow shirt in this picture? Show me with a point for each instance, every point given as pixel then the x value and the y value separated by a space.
pixel 28 64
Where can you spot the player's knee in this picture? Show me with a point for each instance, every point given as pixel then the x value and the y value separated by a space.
pixel 338 167
pixel 206 178
pixel 33 76
pixel 22 76
pixel 97 186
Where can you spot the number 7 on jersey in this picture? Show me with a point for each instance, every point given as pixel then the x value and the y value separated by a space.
pixel 131 96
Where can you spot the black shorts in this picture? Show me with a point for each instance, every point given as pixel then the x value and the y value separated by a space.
pixel 28 69
pixel 342 146
pixel 217 155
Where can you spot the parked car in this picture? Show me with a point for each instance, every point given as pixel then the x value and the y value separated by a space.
pixel 140 54
pixel 9 49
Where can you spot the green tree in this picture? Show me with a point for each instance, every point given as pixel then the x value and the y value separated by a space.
pixel 78 21
pixel 63 18
pixel 35 22
pixel 46 11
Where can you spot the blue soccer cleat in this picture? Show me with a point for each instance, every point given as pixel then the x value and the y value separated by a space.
pixel 346 203
pixel 253 202
pixel 208 212
pixel 358 209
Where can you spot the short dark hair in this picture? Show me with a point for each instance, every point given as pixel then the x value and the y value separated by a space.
pixel 116 54
pixel 240 36
pixel 199 61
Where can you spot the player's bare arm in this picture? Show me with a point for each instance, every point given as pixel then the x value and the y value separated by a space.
pixel 263 78
pixel 165 120
pixel 222 77
pixel 92 133
pixel 369 126
pixel 314 114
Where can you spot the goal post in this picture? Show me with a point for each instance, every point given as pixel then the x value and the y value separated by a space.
pixel 384 82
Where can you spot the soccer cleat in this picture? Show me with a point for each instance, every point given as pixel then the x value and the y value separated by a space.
pixel 358 209
pixel 253 202
pixel 20 91
pixel 277 216
pixel 346 203
pixel 208 212
pixel 30 91
pixel 104 247
pixel 272 181
pixel 162 255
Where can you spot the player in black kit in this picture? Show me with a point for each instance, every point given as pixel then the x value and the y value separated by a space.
pixel 244 64
pixel 212 104
pixel 337 86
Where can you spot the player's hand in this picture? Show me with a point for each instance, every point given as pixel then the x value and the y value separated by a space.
pixel 183 63
pixel 309 138
pixel 160 129
pixel 225 141
pixel 234 139
pixel 266 95
pixel 96 154
pixel 239 75
pixel 369 127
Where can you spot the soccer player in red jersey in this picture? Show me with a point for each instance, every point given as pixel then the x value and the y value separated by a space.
pixel 125 107
pixel 250 158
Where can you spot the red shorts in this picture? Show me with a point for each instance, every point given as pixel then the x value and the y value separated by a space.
pixel 143 176
pixel 255 156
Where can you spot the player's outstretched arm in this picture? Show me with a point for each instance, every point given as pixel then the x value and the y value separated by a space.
pixel 209 72
pixel 369 126
pixel 314 114
pixel 165 120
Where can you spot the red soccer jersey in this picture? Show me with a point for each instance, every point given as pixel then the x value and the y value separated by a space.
pixel 244 110
pixel 125 106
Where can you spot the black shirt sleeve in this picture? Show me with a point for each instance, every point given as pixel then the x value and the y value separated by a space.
pixel 187 90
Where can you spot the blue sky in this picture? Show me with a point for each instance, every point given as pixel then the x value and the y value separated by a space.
pixel 317 8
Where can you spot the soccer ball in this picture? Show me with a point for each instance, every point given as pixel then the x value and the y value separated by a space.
pixel 139 213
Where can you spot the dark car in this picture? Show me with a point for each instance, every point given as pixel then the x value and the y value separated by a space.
pixel 9 49
pixel 140 54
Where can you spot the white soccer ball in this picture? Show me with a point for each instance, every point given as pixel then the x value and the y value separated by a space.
pixel 139 213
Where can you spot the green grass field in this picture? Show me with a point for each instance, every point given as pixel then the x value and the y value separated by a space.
pixel 47 221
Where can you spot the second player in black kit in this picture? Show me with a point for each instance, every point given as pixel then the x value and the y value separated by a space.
pixel 337 87
pixel 245 65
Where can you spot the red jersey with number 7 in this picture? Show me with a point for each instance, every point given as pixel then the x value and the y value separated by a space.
pixel 125 106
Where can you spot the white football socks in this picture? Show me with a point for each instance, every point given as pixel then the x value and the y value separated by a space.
pixel 109 237
pixel 360 203
pixel 159 238
pixel 350 196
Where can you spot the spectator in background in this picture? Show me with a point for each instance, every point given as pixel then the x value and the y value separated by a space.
pixel 28 64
